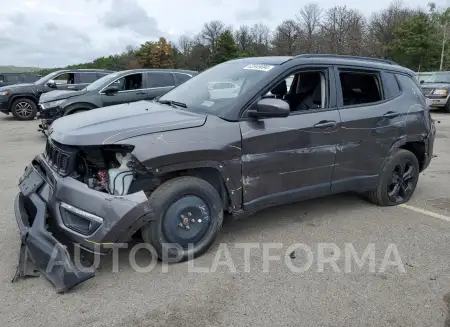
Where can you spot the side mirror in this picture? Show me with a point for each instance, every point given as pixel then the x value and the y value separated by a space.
pixel 267 108
pixel 51 83
pixel 422 81
pixel 111 90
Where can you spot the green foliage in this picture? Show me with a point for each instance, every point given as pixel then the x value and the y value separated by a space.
pixel 415 43
pixel 226 48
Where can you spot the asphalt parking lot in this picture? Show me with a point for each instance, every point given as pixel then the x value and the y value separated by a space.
pixel 360 296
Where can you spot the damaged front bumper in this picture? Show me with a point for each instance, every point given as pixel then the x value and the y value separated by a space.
pixel 53 212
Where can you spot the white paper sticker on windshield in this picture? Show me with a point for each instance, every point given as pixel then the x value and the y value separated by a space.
pixel 264 68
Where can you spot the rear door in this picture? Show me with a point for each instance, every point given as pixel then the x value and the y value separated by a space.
pixel 83 79
pixel 372 120
pixel 131 89
pixel 158 83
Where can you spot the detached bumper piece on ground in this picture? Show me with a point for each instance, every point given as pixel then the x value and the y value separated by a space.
pixel 39 250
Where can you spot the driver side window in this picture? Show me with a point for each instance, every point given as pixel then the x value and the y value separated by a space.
pixel 305 90
pixel 66 78
pixel 129 82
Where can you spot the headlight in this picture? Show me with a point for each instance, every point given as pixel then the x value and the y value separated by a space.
pixel 4 93
pixel 51 104
pixel 440 92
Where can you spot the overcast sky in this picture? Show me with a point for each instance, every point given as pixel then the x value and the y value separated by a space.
pixel 49 33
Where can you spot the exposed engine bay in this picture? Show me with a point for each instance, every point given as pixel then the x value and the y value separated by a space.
pixel 110 168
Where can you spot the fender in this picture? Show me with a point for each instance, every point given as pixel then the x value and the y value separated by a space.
pixel 77 106
pixel 31 96
pixel 229 171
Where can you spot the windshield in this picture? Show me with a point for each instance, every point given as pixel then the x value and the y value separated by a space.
pixel 218 88
pixel 46 78
pixel 98 83
pixel 439 78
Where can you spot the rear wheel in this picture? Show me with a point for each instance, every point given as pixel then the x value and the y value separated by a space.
pixel 24 109
pixel 398 180
pixel 188 216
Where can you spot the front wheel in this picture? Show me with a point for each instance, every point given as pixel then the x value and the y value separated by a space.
pixel 24 109
pixel 398 180
pixel 187 217
pixel 447 106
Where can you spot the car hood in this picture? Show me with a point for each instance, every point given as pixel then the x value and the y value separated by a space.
pixel 115 123
pixel 59 95
pixel 20 87
pixel 435 85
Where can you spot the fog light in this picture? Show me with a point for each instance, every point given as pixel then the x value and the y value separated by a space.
pixel 79 220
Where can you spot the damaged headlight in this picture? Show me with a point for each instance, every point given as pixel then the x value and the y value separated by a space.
pixel 51 104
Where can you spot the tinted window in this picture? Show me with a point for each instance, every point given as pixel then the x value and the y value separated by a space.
pixel 12 78
pixel 2 78
pixel 391 86
pixel 160 80
pixel 360 88
pixel 181 78
pixel 65 78
pixel 100 75
pixel 129 82
pixel 88 77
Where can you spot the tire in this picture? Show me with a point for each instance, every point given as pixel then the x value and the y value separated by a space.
pixel 447 107
pixel 24 109
pixel 173 202
pixel 400 163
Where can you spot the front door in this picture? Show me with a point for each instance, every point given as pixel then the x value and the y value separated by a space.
pixel 131 89
pixel 292 158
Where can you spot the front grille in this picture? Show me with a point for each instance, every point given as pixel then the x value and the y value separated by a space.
pixel 60 157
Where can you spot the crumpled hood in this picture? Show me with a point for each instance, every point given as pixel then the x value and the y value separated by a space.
pixel 115 123
pixel 59 95
pixel 435 85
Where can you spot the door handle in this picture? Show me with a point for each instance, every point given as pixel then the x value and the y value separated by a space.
pixel 141 93
pixel 325 124
pixel 71 87
pixel 391 114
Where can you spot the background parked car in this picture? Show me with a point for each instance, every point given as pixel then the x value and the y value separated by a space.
pixel 17 78
pixel 22 99
pixel 422 76
pixel 437 89
pixel 121 87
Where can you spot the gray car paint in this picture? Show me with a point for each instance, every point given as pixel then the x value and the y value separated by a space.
pixel 261 163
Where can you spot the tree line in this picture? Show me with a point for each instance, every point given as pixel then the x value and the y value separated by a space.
pixel 415 38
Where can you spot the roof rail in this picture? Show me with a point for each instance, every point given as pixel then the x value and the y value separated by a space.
pixel 385 61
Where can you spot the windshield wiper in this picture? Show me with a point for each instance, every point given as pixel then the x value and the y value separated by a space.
pixel 172 103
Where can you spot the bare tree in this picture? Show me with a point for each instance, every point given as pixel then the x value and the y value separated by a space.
pixel 185 44
pixel 211 32
pixel 243 37
pixel 286 37
pixel 309 21
pixel 383 24
pixel 261 38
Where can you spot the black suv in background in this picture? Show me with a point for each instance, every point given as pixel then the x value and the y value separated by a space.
pixel 121 87
pixel 437 89
pixel 170 168
pixel 22 99
pixel 17 78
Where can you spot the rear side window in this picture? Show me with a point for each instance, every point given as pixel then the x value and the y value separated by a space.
pixel 156 79
pixel 360 88
pixel 12 78
pixel 100 75
pixel 391 87
pixel 87 78
pixel 2 78
pixel 181 78
pixel 409 85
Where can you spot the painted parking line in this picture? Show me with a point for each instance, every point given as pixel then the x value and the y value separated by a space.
pixel 425 212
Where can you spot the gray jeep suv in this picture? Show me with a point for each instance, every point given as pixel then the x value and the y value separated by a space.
pixel 170 168
pixel 121 87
